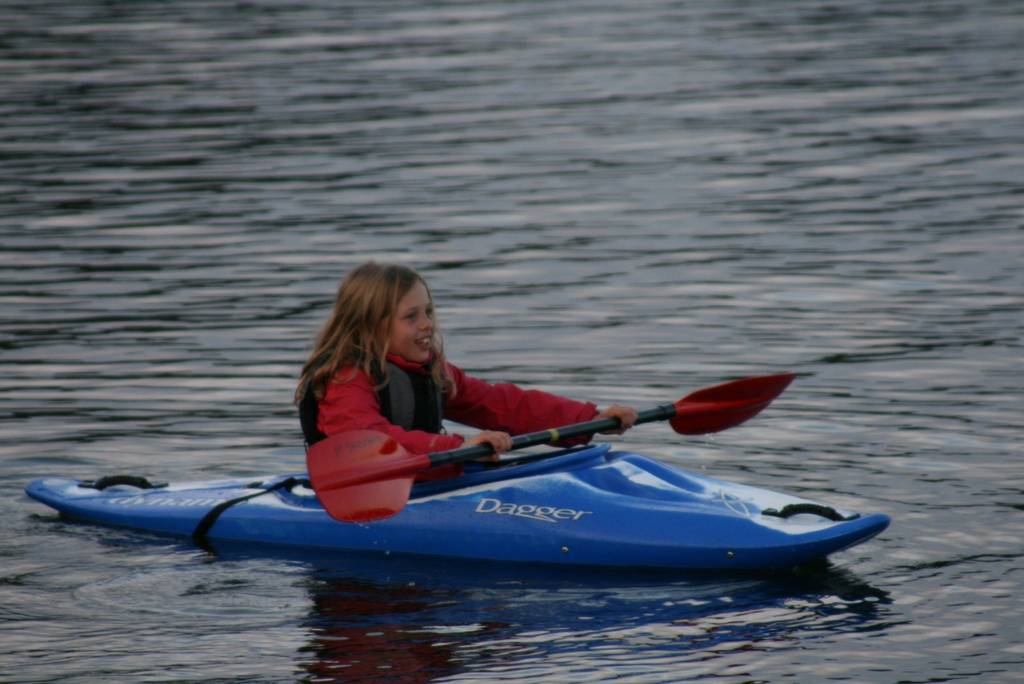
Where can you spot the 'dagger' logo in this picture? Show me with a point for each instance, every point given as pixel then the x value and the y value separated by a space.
pixel 549 514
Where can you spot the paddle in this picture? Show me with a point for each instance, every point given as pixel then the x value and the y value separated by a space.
pixel 365 475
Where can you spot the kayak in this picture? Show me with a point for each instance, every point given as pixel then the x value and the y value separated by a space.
pixel 588 506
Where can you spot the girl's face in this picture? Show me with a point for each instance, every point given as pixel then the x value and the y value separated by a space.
pixel 412 327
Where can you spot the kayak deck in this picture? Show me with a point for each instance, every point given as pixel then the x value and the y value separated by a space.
pixel 587 506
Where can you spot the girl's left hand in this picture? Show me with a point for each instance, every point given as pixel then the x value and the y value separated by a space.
pixel 627 415
pixel 500 442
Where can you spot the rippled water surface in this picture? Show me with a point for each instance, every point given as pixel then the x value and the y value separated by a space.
pixel 615 201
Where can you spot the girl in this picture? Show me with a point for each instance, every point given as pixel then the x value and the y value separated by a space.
pixel 379 364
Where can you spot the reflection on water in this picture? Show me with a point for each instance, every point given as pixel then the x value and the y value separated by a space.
pixel 397 621
pixel 363 632
pixel 618 201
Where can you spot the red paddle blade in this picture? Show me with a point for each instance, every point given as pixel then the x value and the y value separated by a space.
pixel 362 475
pixel 718 408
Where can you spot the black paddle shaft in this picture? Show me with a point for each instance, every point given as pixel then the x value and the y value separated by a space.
pixel 663 412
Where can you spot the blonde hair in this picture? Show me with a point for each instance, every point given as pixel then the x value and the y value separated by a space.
pixel 357 332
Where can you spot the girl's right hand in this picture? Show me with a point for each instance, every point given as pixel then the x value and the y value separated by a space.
pixel 627 416
pixel 499 441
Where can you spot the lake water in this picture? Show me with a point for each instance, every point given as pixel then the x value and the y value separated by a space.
pixel 621 202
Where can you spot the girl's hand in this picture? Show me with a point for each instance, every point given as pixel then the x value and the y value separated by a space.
pixel 499 441
pixel 627 415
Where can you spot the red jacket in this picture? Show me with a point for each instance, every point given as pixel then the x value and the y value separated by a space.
pixel 352 405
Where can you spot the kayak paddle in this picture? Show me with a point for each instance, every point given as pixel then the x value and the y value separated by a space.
pixel 365 475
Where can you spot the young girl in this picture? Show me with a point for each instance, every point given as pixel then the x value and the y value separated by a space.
pixel 379 364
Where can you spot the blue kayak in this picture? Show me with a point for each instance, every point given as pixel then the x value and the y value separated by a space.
pixel 588 506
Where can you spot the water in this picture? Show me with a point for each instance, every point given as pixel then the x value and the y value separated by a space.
pixel 616 201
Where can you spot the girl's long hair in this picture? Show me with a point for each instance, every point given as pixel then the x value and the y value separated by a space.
pixel 357 332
